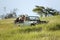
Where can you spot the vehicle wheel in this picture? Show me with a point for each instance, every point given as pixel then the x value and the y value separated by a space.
pixel 33 24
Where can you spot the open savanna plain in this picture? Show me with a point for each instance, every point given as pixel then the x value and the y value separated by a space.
pixel 45 31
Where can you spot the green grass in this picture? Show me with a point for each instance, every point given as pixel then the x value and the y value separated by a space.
pixel 49 31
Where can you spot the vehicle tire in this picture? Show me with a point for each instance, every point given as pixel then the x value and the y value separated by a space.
pixel 33 24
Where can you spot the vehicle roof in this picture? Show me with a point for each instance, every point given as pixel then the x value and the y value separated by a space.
pixel 32 16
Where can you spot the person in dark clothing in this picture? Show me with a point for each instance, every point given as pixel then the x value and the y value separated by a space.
pixel 17 20
pixel 20 19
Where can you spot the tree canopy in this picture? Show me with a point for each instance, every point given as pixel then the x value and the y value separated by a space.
pixel 46 11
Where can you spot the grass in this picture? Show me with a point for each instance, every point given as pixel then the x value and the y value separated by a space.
pixel 49 31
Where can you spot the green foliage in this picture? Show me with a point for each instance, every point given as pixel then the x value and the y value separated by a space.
pixel 39 10
pixel 46 11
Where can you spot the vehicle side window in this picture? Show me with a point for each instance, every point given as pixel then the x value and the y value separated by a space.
pixel 27 18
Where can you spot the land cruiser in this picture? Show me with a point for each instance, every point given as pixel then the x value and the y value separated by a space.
pixel 30 20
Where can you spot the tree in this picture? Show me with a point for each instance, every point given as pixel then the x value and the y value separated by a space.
pixel 52 11
pixel 39 10
pixel 12 14
pixel 45 11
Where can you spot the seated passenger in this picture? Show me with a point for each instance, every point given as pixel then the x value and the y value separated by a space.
pixel 22 19
pixel 17 20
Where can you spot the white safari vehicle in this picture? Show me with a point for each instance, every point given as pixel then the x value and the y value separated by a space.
pixel 30 20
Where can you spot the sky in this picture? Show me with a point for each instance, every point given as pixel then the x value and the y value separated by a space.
pixel 26 6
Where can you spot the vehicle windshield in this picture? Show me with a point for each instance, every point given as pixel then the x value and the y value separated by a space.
pixel 33 18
